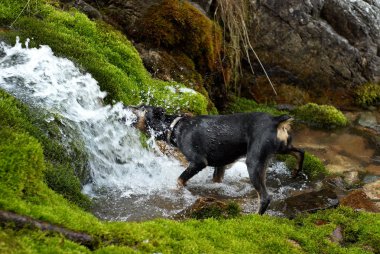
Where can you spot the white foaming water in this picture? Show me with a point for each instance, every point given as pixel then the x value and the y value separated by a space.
pixel 55 84
pixel 127 181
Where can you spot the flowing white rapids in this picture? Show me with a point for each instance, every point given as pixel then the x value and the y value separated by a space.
pixel 128 182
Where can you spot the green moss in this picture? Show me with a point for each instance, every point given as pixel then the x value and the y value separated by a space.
pixel 21 162
pixel 10 9
pixel 217 210
pixel 312 165
pixel 62 180
pixel 243 105
pixel 24 154
pixel 178 25
pixel 16 117
pixel 368 94
pixel 322 116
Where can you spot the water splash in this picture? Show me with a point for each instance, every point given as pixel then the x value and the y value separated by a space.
pixel 128 182
pixel 117 159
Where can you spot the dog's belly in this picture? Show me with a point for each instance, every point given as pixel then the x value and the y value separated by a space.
pixel 225 155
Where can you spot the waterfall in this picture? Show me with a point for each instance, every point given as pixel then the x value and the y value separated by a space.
pixel 128 182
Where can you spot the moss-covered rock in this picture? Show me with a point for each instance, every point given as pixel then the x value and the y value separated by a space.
pixel 313 167
pixel 62 179
pixel 178 25
pixel 322 116
pixel 208 207
pixel 368 94
pixel 65 162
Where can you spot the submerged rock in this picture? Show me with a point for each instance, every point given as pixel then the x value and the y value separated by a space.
pixel 369 120
pixel 310 202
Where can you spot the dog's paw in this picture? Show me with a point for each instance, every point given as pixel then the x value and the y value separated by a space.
pixel 295 173
pixel 181 183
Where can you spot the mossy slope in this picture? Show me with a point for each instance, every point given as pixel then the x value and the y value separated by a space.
pixel 26 156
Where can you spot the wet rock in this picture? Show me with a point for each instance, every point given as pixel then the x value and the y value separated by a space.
pixel 88 9
pixel 170 67
pixel 351 177
pixel 373 169
pixel 310 202
pixel 341 164
pixel 369 120
pixel 372 190
pixel 337 235
pixel 358 199
pixel 370 179
pixel 124 13
pixel 354 146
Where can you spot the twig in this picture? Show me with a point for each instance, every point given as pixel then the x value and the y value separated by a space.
pixel 20 221
pixel 23 9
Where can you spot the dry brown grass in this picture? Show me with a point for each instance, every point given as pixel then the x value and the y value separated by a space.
pixel 233 14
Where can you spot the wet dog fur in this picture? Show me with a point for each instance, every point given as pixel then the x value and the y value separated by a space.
pixel 220 140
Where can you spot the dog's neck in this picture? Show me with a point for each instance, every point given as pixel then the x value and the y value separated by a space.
pixel 169 133
pixel 165 130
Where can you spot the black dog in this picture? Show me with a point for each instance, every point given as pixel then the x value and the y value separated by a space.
pixel 220 140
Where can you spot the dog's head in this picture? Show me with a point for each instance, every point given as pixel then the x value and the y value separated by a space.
pixel 150 118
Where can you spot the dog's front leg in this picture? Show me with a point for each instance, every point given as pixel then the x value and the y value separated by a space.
pixel 299 154
pixel 191 171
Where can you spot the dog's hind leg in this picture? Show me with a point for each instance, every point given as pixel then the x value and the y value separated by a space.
pixel 218 175
pixel 256 166
pixel 192 170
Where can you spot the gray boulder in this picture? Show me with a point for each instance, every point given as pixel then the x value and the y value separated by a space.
pixel 318 42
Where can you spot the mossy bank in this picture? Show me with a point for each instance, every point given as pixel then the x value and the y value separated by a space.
pixel 38 175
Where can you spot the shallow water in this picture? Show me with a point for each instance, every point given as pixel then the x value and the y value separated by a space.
pixel 129 182
pixel 345 150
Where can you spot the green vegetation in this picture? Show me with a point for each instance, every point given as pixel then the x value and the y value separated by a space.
pixel 368 94
pixel 105 53
pixel 245 234
pixel 242 105
pixel 24 145
pixel 322 116
pixel 37 173
pixel 205 208
pixel 312 165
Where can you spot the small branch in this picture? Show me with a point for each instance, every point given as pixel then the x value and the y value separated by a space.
pixel 23 9
pixel 17 221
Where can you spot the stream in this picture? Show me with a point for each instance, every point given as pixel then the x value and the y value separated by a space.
pixel 130 183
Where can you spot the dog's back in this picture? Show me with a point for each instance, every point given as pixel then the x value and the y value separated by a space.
pixel 223 139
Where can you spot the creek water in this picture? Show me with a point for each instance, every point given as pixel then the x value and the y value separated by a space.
pixel 126 180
